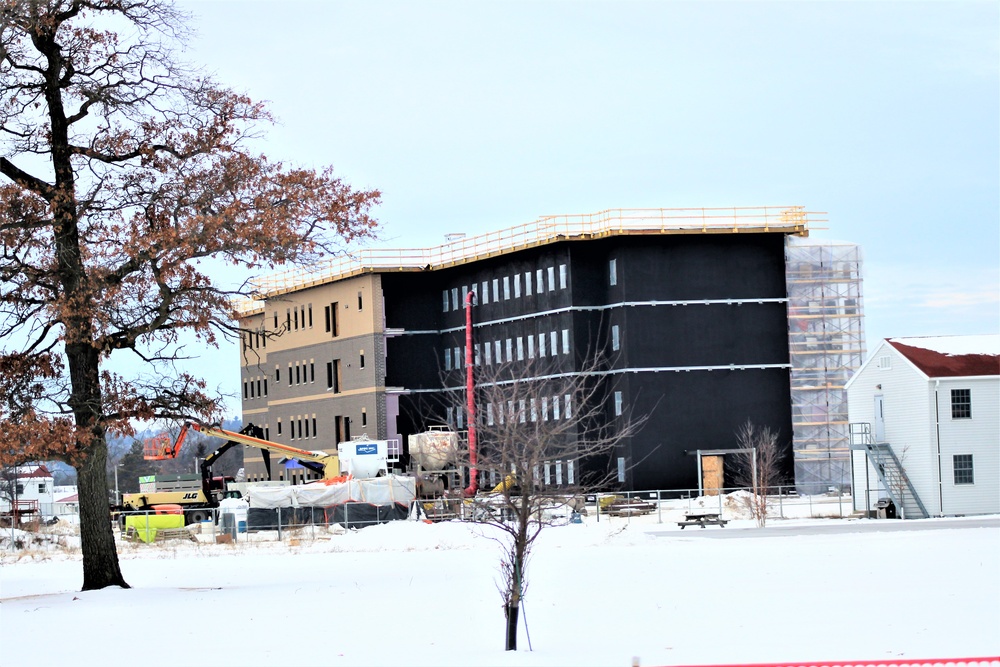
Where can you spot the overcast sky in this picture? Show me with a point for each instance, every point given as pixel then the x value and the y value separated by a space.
pixel 475 116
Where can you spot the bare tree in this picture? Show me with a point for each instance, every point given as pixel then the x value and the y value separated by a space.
pixel 758 466
pixel 542 444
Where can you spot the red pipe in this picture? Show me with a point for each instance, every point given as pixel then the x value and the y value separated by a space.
pixel 470 400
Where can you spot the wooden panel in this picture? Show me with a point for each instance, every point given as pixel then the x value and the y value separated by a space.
pixel 711 474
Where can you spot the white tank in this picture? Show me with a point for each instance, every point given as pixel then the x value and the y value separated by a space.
pixel 363 458
pixel 434 449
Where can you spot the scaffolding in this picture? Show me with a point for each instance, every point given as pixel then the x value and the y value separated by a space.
pixel 826 344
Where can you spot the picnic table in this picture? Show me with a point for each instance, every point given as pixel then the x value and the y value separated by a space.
pixel 698 518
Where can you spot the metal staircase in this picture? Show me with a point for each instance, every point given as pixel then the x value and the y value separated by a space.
pixel 890 471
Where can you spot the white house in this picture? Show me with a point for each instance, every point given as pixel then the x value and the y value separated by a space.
pixel 925 425
pixel 29 485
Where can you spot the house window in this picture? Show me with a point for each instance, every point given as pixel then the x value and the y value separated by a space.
pixel 361 358
pixel 541 345
pixel 613 272
pixel 279 426
pixel 531 347
pixel 41 488
pixel 555 408
pixel 506 287
pixel 489 414
pixel 562 276
pixel 496 290
pixel 454 298
pixel 486 293
pixel 517 285
pixel 884 363
pixel 310 316
pixel 615 340
pixel 539 284
pixel 488 351
pixel 334 319
pixel 497 352
pixel 277 374
pixel 447 358
pixel 961 404
pixel 520 348
pixel 618 403
pixel 510 350
pixel 20 489
pixel 444 298
pixel 554 338
pixel 963 469
pixel 527 284
pixel 361 304
pixel 364 416
pixel 312 371
pixel 458 359
pixel 565 341
pixel 552 278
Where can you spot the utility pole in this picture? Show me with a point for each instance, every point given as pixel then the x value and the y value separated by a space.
pixel 118 498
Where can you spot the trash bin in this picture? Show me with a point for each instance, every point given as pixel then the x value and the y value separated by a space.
pixel 885 508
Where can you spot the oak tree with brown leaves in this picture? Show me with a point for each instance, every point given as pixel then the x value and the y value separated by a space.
pixel 125 173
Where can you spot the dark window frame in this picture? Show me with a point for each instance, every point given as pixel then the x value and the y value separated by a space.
pixel 961 404
pixel 963 469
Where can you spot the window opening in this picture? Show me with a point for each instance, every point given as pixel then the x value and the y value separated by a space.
pixel 961 404
pixel 963 469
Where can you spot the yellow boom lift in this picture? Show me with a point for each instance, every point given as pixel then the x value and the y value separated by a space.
pixel 198 498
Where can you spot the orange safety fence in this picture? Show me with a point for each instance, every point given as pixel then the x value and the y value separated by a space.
pixel 337 480
pixel 910 662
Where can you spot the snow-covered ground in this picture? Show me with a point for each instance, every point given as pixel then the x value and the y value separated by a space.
pixel 599 593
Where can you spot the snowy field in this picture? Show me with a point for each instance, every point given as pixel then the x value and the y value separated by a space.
pixel 410 593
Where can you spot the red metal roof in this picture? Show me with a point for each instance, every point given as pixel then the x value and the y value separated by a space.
pixel 35 471
pixel 938 365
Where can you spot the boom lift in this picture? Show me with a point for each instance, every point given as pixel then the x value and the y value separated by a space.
pixel 204 496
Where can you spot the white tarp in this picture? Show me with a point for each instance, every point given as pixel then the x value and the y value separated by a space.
pixel 378 491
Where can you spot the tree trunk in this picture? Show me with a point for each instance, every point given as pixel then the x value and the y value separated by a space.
pixel 97 540
pixel 511 611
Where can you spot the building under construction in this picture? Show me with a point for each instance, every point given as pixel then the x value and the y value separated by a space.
pixel 689 311
pixel 826 343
